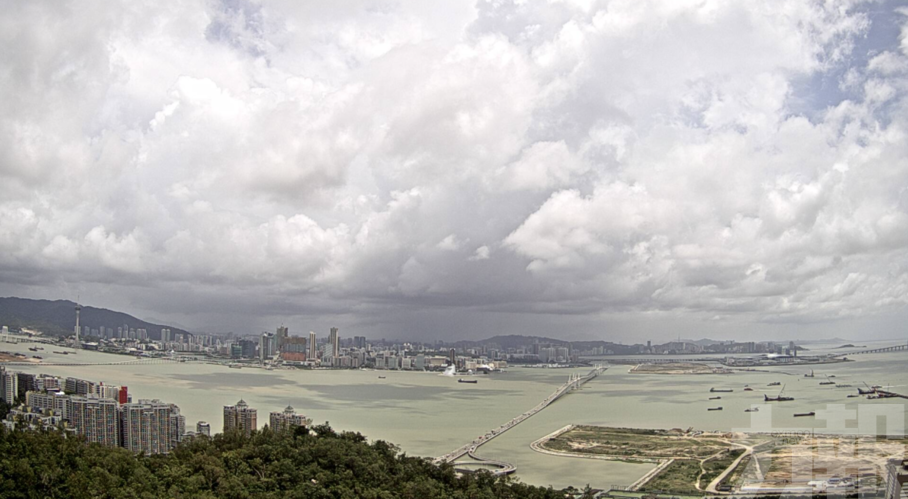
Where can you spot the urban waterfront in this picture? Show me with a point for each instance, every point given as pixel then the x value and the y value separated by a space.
pixel 427 414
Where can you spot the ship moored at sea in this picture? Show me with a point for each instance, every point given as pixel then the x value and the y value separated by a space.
pixel 777 398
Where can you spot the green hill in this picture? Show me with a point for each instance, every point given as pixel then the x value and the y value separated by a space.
pixel 322 464
pixel 58 317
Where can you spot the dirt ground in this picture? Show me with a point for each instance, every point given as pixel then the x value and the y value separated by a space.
pixel 677 368
pixel 823 457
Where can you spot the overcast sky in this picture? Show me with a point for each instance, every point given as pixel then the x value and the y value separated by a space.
pixel 617 169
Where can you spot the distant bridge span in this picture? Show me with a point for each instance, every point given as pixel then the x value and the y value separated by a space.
pixel 138 362
pixel 504 468
pixel 894 348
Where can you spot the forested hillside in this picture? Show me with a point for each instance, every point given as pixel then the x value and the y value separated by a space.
pixel 326 464
pixel 58 317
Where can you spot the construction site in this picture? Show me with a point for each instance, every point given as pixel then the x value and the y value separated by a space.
pixel 693 462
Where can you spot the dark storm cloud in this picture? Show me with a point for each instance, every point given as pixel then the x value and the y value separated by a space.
pixel 569 168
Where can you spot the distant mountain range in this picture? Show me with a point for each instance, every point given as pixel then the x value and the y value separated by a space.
pixel 58 317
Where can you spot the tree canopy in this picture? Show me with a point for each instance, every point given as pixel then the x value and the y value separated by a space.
pixel 267 464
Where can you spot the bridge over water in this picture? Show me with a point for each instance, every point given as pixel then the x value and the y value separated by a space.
pixel 894 348
pixel 137 362
pixel 503 468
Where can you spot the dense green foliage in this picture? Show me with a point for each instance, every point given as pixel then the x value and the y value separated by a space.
pixel 326 464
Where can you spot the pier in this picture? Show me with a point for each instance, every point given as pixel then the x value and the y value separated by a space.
pixel 503 468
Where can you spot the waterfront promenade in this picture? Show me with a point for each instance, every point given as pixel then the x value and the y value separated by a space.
pixel 502 468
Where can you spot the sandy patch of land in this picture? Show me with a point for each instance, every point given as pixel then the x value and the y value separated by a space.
pixel 678 368
pixel 8 357
pixel 813 458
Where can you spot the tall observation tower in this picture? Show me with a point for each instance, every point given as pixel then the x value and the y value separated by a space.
pixel 78 311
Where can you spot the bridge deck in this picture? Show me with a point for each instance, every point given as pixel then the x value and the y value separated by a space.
pixel 506 468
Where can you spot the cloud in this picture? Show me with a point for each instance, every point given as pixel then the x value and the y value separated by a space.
pixel 628 162
pixel 481 253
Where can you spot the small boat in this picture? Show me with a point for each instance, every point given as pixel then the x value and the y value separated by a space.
pixel 803 414
pixel 37 357
pixel 853 395
pixel 831 376
pixel 827 382
pixel 234 366
pixel 33 349
pixel 843 386
pixel 748 389
pixel 755 409
pixel 809 375
pixel 720 390
pixel 775 383
pixel 382 377
pixel 714 408
pixel 461 380
pixel 715 398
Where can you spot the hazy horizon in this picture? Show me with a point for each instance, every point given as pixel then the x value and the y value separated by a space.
pixel 577 169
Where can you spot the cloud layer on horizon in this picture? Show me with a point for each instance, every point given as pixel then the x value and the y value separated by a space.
pixel 384 163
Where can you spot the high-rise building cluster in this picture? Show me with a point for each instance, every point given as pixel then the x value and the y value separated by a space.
pixel 281 349
pixel 103 414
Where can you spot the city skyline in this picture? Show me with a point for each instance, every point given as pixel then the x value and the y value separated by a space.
pixel 577 169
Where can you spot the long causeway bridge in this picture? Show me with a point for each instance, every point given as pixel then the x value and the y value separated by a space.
pixel 136 362
pixel 894 348
pixel 503 468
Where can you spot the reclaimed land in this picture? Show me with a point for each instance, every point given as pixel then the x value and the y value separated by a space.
pixel 677 368
pixel 822 456
pixel 631 443
pixel 680 477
